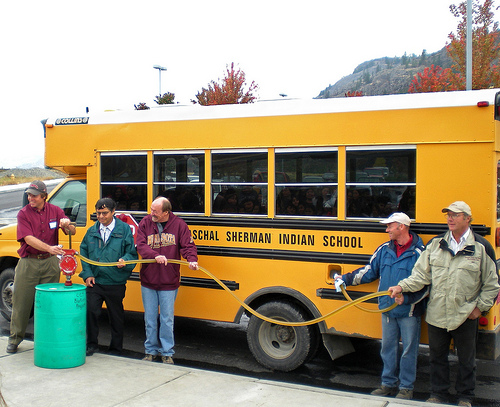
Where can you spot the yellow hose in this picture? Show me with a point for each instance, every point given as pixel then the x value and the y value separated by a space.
pixel 351 303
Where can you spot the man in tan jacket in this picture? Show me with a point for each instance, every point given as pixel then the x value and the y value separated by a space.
pixel 460 266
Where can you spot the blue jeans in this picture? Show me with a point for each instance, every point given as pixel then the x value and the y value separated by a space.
pixel 408 329
pixel 159 341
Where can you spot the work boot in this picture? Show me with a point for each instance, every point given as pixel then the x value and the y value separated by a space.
pixel 405 394
pixel 149 358
pixel 167 359
pixel 11 348
pixel 385 391
pixel 464 403
pixel 435 400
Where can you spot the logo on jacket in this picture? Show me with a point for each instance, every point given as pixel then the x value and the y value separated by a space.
pixel 162 240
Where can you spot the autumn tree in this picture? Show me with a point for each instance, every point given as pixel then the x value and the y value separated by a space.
pixel 353 93
pixel 485 53
pixel 229 90
pixel 485 48
pixel 433 79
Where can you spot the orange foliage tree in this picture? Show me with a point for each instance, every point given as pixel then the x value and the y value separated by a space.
pixel 229 90
pixel 353 93
pixel 485 48
pixel 485 53
pixel 433 79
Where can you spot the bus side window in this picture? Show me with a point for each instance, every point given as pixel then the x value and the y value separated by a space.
pixel 380 182
pixel 124 179
pixel 241 181
pixel 306 182
pixel 180 177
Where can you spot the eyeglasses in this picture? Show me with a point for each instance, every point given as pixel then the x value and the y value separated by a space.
pixel 452 215
pixel 103 213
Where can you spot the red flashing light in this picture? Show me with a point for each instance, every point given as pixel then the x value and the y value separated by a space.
pixel 497 237
pixel 483 321
pixel 483 103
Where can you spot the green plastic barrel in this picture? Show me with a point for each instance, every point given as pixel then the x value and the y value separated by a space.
pixel 60 325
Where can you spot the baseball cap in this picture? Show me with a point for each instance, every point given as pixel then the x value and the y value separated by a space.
pixel 457 207
pixel 36 188
pixel 399 217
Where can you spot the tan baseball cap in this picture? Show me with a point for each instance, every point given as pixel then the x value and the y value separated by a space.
pixel 457 207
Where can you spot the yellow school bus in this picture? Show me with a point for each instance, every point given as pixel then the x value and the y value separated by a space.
pixel 282 195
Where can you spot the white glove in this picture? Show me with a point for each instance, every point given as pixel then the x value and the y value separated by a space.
pixel 338 283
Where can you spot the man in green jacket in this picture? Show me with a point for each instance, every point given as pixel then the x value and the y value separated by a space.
pixel 109 240
pixel 461 269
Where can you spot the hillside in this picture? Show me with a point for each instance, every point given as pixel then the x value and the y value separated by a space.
pixel 385 76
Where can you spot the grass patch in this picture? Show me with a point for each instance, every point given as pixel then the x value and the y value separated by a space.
pixel 7 180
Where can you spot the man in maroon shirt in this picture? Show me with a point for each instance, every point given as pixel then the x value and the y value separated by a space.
pixel 162 236
pixel 38 224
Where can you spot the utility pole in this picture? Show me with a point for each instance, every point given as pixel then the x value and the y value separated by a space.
pixel 468 48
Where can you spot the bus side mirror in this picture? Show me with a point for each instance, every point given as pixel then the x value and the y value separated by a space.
pixel 25 198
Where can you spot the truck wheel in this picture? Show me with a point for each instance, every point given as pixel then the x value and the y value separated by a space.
pixel 6 289
pixel 276 346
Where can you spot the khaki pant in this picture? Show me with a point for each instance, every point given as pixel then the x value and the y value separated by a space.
pixel 29 273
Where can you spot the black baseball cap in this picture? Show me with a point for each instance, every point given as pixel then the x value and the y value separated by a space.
pixel 36 188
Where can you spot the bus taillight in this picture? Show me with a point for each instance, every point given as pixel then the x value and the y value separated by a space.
pixel 497 237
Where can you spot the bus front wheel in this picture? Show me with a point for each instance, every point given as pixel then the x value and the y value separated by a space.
pixel 275 346
pixel 6 290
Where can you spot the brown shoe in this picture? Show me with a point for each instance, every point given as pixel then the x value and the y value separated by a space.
pixel 405 394
pixel 435 400
pixel 167 359
pixel 385 391
pixel 149 358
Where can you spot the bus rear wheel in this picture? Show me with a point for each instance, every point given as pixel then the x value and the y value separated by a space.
pixel 275 346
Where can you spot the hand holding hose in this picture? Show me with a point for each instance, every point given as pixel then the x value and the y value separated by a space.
pixel 395 290
pixel 339 282
pixel 161 260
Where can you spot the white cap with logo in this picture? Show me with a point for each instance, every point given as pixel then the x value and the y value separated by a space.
pixel 399 217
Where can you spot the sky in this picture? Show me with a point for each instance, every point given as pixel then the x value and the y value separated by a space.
pixel 59 57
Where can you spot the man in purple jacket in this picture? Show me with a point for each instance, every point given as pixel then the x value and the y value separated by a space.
pixel 162 236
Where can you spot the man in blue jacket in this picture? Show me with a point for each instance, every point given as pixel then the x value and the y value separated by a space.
pixel 392 261
pixel 109 240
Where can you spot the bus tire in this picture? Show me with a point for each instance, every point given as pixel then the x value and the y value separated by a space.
pixel 6 289
pixel 279 347
pixel 315 342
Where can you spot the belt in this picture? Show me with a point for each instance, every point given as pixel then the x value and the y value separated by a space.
pixel 39 256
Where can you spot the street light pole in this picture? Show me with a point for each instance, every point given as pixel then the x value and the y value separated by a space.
pixel 160 68
pixel 468 48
